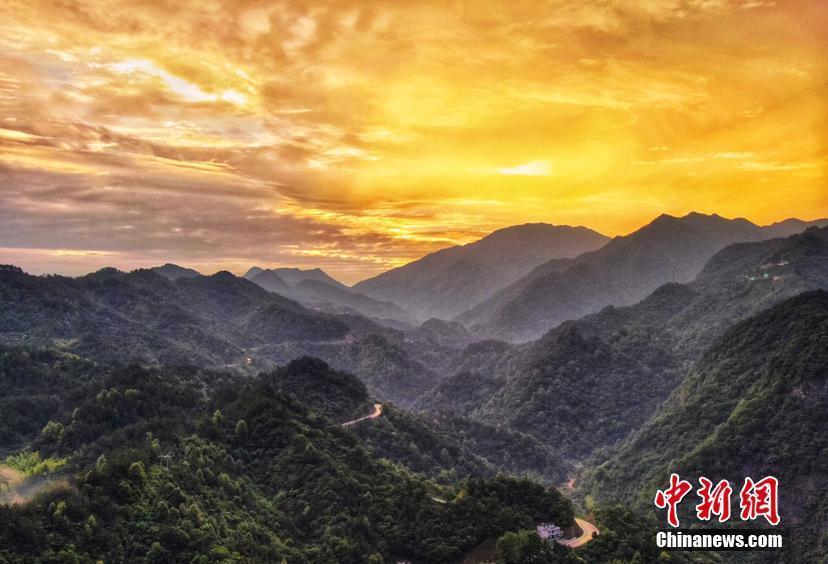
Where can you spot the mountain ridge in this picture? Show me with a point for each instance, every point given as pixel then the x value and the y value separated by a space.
pixel 622 272
pixel 445 283
pixel 315 289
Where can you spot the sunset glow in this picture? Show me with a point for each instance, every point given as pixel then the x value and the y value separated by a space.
pixel 356 136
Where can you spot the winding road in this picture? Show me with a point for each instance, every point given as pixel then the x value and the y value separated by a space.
pixel 377 412
pixel 586 536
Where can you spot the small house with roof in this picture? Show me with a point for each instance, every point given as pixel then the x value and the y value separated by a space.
pixel 549 532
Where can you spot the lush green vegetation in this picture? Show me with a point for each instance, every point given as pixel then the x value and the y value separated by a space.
pixel 337 395
pixel 198 466
pixel 31 463
pixel 459 394
pixel 525 546
pixel 448 449
pixel 629 537
pixel 755 405
pixel 508 451
pixel 141 316
pixel 195 464
pixel 626 537
pixel 34 386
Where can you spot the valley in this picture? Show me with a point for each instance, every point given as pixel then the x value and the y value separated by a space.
pixel 289 416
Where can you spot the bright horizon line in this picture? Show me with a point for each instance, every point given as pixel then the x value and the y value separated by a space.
pixel 211 268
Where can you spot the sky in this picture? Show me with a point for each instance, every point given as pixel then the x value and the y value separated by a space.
pixel 359 135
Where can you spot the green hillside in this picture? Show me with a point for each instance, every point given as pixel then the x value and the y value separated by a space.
pixel 165 466
pixel 755 405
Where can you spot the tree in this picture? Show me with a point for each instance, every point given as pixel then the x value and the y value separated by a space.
pixel 522 547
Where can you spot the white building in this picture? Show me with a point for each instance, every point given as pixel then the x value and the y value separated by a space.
pixel 549 532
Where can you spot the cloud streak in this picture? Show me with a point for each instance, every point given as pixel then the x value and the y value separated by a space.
pixel 360 135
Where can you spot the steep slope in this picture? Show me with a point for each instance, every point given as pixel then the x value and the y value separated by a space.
pixel 340 299
pixel 589 383
pixel 448 282
pixel 164 466
pixel 143 317
pixel 34 385
pixel 755 405
pixel 622 272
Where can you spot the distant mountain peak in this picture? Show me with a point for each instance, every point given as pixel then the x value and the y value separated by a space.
pixel 793 225
pixel 293 275
pixel 267 279
pixel 315 289
pixel 702 214
pixel 252 272
pixel 173 271
pixel 531 230
pixel 624 271
pixel 223 275
pixel 105 272
pixel 666 223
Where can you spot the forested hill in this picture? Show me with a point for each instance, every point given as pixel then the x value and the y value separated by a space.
pixel 337 395
pixel 755 405
pixel 159 465
pixel 141 316
pixel 219 321
pixel 446 448
pixel 590 382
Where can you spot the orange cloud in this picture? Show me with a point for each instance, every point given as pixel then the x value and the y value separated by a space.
pixel 359 135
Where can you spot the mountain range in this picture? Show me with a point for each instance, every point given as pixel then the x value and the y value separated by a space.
pixel 218 321
pixel 588 383
pixel 622 272
pixel 445 283
pixel 316 289
pixel 162 414
pixel 144 317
